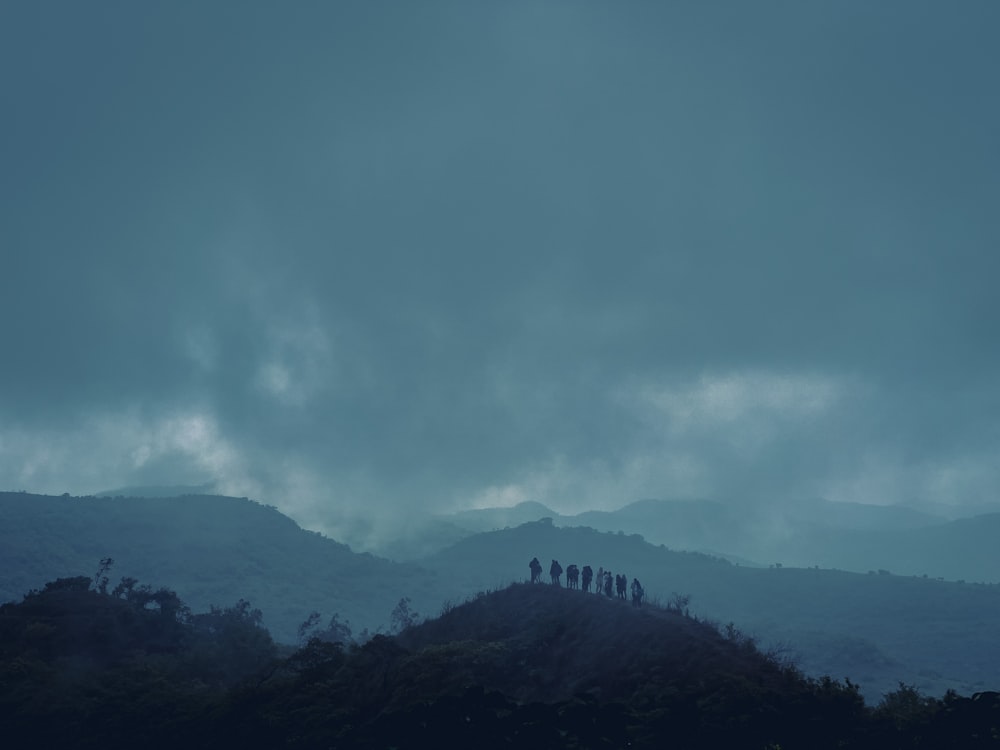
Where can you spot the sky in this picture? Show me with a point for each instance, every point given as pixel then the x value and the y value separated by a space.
pixel 375 258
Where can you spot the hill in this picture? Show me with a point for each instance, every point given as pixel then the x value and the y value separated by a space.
pixel 593 645
pixel 426 533
pixel 877 629
pixel 213 550
pixel 490 519
pixel 530 665
pixel 848 536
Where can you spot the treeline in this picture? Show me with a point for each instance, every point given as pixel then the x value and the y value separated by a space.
pixel 85 664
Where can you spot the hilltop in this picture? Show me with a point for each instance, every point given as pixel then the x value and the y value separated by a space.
pixel 877 629
pixel 582 643
pixel 529 665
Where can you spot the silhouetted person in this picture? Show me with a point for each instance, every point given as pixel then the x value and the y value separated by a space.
pixel 573 577
pixel 637 593
pixel 599 586
pixel 607 584
pixel 536 569
pixel 555 570
pixel 621 584
pixel 588 576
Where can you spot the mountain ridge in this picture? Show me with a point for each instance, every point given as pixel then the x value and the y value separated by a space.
pixel 846 536
pixel 877 629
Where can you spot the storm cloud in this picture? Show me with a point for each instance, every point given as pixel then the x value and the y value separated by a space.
pixel 387 257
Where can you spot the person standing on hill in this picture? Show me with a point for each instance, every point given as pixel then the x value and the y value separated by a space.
pixel 588 576
pixel 607 584
pixel 637 593
pixel 599 584
pixel 536 569
pixel 555 570
pixel 573 577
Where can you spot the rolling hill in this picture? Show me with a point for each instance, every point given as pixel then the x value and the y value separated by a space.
pixel 527 665
pixel 212 549
pixel 876 629
pixel 846 536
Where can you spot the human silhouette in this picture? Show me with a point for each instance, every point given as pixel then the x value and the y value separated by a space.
pixel 599 585
pixel 637 593
pixel 588 576
pixel 607 583
pixel 573 577
pixel 621 584
pixel 555 570
pixel 536 569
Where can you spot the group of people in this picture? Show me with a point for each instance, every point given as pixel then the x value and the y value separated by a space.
pixel 602 585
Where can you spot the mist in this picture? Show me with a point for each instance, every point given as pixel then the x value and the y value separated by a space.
pixel 366 265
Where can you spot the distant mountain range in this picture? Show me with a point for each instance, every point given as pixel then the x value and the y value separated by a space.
pixel 854 537
pixel 877 629
pixel 845 536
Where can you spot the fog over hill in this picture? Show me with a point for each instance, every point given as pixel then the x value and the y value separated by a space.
pixel 847 536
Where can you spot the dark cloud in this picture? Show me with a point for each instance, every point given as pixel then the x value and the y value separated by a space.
pixel 337 256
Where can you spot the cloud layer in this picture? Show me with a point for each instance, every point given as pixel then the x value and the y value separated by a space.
pixel 452 255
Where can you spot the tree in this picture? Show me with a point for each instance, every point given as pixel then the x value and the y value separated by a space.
pixel 402 616
pixel 231 642
pixel 337 631
pixel 906 707
pixel 101 577
pixel 170 605
pixel 73 583
pixel 125 587
pixel 308 626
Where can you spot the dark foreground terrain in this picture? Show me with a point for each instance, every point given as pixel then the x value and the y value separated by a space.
pixel 88 664
pixel 876 629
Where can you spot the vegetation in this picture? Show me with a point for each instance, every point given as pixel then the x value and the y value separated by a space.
pixel 91 666
pixel 211 549
pixel 84 668
pixel 877 629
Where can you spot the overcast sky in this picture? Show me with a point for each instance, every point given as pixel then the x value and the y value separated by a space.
pixel 402 255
